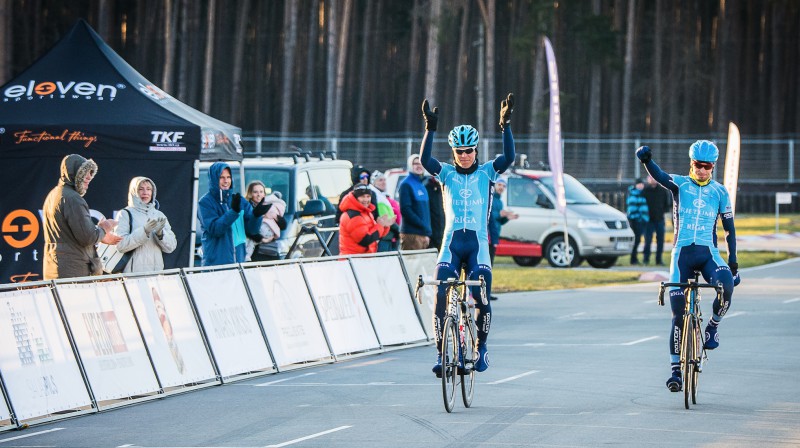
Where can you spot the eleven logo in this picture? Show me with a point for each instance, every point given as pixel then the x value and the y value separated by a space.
pixel 61 90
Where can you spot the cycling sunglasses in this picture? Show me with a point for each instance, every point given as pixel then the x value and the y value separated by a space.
pixel 708 166
pixel 469 150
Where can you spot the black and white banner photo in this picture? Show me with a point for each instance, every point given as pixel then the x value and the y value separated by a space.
pixel 229 322
pixel 108 340
pixel 287 314
pixel 39 368
pixel 423 264
pixel 340 306
pixel 386 295
pixel 170 330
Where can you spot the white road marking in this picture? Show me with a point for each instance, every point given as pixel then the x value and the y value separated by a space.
pixel 639 341
pixel 515 377
pixel 737 313
pixel 796 299
pixel 30 435
pixel 270 383
pixel 312 436
pixel 125 446
pixel 572 316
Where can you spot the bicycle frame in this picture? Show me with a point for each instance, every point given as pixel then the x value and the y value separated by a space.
pixel 459 334
pixel 692 353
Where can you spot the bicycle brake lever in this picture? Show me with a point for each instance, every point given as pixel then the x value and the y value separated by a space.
pixel 661 295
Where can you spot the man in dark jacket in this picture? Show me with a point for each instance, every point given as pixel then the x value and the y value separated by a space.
pixel 70 234
pixel 415 229
pixel 226 219
pixel 437 212
pixel 657 205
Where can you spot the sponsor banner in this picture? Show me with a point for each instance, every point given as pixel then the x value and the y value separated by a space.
pixel 170 330
pixel 107 339
pixel 388 300
pixel 287 314
pixel 38 365
pixel 37 90
pixel 340 306
pixel 423 264
pixel 5 414
pixel 229 321
pixel 732 154
pixel 554 134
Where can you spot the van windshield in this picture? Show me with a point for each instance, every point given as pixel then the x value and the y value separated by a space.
pixel 575 192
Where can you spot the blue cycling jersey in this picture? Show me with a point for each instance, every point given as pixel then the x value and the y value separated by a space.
pixel 467 201
pixel 697 209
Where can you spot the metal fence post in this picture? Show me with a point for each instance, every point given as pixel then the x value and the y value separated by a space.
pixel 791 161
pixel 409 148
pixel 637 168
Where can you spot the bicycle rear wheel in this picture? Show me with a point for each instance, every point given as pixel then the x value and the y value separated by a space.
pixel 450 344
pixel 688 358
pixel 469 358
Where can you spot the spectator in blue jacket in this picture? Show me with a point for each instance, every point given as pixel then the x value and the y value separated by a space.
pixel 415 228
pixel 638 215
pixel 497 218
pixel 224 217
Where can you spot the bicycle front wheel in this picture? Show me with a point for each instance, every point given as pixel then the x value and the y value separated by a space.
pixel 698 358
pixel 688 351
pixel 450 348
pixel 469 355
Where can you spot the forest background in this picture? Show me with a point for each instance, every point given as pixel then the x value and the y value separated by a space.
pixel 362 67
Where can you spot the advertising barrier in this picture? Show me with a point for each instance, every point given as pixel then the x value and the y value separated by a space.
pixel 287 314
pixel 424 264
pixel 170 330
pixel 386 294
pixel 108 340
pixel 229 322
pixel 74 346
pixel 39 368
pixel 340 307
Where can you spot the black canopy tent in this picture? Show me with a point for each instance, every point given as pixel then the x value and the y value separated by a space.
pixel 81 97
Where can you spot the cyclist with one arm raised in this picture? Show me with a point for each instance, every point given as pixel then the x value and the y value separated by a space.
pixel 467 194
pixel 697 203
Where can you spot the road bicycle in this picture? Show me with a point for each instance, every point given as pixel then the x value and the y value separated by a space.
pixel 459 336
pixel 692 351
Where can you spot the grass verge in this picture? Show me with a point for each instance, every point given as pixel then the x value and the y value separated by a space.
pixel 508 277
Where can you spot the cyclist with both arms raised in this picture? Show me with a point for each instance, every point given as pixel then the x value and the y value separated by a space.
pixel 467 194
pixel 697 203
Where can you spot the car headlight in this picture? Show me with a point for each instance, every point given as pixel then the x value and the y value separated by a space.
pixel 595 224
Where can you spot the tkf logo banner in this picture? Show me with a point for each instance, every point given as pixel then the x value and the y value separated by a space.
pixel 167 141
pixel 61 90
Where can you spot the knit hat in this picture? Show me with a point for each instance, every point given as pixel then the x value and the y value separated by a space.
pixel 361 190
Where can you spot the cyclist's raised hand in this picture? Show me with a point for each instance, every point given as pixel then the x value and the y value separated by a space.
pixel 431 116
pixel 644 154
pixel 506 107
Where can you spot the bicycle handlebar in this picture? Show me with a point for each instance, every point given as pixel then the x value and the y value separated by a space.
pixel 664 285
pixel 452 282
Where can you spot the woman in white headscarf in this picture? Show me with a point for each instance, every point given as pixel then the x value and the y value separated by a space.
pixel 144 229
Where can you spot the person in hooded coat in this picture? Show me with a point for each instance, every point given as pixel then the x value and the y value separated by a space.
pixel 144 229
pixel 226 218
pixel 70 234
pixel 359 231
pixel 360 176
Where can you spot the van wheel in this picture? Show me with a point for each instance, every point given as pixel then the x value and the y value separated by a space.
pixel 527 261
pixel 560 256
pixel 601 262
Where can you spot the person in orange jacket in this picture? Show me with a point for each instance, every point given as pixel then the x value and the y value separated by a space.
pixel 359 231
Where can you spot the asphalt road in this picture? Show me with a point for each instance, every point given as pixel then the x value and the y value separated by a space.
pixel 570 368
